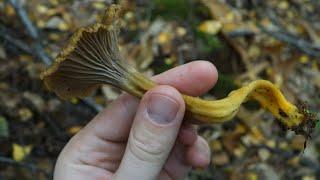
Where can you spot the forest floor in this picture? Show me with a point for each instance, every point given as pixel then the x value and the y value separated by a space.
pixel 276 40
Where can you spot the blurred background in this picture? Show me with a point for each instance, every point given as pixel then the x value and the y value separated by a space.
pixel 277 40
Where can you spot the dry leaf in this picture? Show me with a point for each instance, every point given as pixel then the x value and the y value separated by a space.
pixel 210 27
pixel 20 152
pixel 74 129
pixel 25 114
pixel 4 127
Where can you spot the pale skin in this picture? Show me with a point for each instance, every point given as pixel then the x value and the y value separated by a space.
pixel 143 139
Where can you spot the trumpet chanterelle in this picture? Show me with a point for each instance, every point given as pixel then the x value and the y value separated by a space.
pixel 92 58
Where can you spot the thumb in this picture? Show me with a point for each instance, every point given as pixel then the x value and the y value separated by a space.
pixel 153 134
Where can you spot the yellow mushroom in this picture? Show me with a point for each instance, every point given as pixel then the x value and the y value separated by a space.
pixel 92 58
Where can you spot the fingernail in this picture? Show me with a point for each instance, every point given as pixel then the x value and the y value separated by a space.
pixel 162 109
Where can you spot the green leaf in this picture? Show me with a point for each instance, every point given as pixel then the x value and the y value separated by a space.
pixel 224 85
pixel 169 9
pixel 210 42
pixel 4 128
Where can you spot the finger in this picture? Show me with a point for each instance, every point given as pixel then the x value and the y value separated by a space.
pixel 183 157
pixel 198 155
pixel 115 121
pixel 153 134
pixel 176 166
pixel 188 134
pixel 193 78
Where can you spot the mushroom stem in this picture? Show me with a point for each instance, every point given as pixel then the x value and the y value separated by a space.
pixel 222 110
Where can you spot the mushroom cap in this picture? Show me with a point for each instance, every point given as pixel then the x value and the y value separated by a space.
pixel 90 58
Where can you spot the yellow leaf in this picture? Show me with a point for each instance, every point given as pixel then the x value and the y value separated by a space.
pixel 163 38
pixel 41 24
pixel 309 177
pixel 283 145
pixel 9 10
pixel 98 5
pixel 283 5
pixel 271 143
pixel 41 9
pixel 26 58
pixel 74 129
pixel 229 17
pixel 20 152
pixel 54 2
pixel 25 114
pixel 168 61
pixel 239 151
pixel 257 136
pixel 215 145
pixel 210 27
pixel 314 65
pixel 74 101
pixel 252 176
pixel 54 36
pixel 240 129
pixel 181 31
pixel 63 26
pixel 304 59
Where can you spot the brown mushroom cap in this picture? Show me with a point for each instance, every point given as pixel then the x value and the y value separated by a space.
pixel 90 58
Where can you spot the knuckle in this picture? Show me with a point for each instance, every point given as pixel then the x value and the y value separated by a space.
pixel 147 148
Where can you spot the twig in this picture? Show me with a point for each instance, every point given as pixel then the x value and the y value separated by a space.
pixel 241 33
pixel 37 49
pixel 282 35
pixel 300 44
pixel 31 167
pixel 24 18
pixel 15 42
pixel 41 55
pixel 90 102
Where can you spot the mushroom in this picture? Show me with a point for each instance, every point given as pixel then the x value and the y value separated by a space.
pixel 92 58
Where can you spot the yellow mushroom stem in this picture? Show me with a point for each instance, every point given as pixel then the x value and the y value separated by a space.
pixel 222 110
pixel 92 58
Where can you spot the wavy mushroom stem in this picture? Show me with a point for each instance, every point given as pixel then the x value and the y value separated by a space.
pixel 222 110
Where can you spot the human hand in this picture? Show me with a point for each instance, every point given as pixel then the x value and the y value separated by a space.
pixel 144 139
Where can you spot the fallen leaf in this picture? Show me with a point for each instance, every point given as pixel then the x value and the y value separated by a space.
pixel 20 152
pixel 210 27
pixel 264 154
pixel 181 31
pixel 215 145
pixel 309 177
pixel 4 127
pixel 220 159
pixel 35 99
pixel 294 161
pixel 251 176
pixel 25 114
pixel 163 38
pixel 297 142
pixel 74 100
pixel 99 5
pixel 42 9
pixel 271 143
pixel 283 5
pixel 74 129
pixel 3 54
pixel 239 151
pixel 57 23
pixel 304 59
